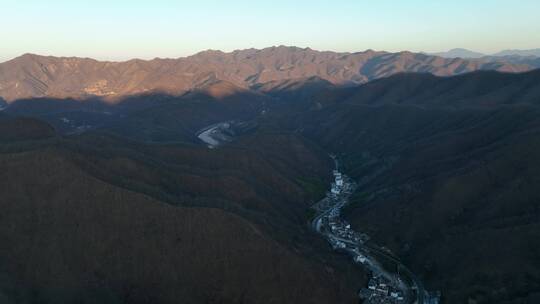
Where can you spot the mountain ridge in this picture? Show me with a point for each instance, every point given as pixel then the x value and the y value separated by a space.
pixel 30 75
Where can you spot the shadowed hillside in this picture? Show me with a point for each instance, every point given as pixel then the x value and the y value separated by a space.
pixel 150 118
pixel 96 219
pixel 14 129
pixel 448 176
pixel 446 167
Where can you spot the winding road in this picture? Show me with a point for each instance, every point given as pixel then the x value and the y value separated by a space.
pixel 329 209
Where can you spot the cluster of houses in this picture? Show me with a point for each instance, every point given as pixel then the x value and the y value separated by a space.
pixel 75 129
pixel 337 185
pixel 342 237
pixel 334 200
pixel 382 288
pixel 339 228
pixel 337 244
pixel 342 229
pixel 380 291
pixel 360 258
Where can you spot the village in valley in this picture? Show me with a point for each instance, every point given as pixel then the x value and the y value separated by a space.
pixel 384 287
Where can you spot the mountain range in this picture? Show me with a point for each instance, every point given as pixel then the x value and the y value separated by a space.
pixel 465 53
pixel 459 53
pixel 31 76
pixel 110 196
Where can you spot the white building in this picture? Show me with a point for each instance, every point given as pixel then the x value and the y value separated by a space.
pixel 360 259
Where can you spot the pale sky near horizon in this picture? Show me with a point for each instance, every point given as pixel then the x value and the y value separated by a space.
pixel 120 30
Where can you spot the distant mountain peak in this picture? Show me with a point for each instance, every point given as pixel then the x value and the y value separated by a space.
pixel 209 52
pixel 459 53
pixel 29 56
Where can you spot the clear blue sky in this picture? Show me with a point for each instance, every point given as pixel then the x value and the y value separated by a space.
pixel 118 29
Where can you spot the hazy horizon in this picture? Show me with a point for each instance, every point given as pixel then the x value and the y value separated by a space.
pixel 232 50
pixel 121 31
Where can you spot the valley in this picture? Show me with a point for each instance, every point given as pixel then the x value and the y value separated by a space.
pixel 434 172
pixel 384 287
pixel 270 152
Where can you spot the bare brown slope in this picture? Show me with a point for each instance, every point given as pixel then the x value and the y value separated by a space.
pixel 38 76
pixel 449 174
pixel 68 237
